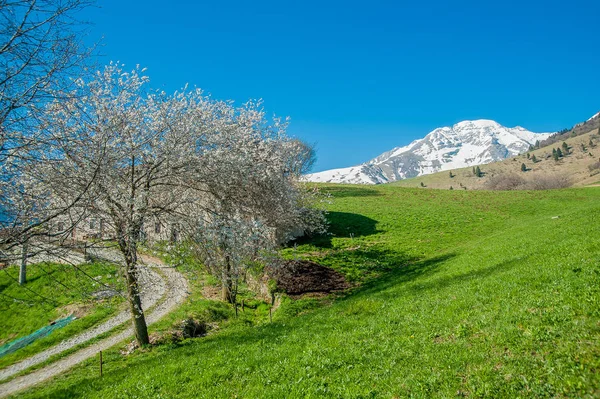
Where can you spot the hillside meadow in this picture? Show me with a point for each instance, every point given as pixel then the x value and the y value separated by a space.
pixel 53 291
pixel 455 294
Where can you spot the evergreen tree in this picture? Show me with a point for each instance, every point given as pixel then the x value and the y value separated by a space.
pixel 534 159
pixel 537 144
pixel 451 188
pixel 565 148
pixel 555 154
pixel 478 172
pixel 559 153
pixel 528 156
pixel 523 168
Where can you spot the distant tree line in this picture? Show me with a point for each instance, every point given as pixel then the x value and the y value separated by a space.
pixel 574 131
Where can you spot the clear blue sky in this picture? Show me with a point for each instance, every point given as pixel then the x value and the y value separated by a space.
pixel 358 78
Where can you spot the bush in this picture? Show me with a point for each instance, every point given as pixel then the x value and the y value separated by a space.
pixel 533 182
pixel 548 182
pixel 191 328
pixel 505 182
pixel 594 166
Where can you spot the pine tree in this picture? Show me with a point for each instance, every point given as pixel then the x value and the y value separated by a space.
pixel 478 172
pixel 534 159
pixel 565 148
pixel 537 144
pixel 451 175
pixel 559 153
pixel 523 168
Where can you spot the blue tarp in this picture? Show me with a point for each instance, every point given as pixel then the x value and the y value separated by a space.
pixel 41 333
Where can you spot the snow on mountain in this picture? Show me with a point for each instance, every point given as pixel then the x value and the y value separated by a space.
pixel 593 117
pixel 467 143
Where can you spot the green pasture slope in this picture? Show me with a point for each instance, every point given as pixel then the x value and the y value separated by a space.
pixel 457 294
pixel 52 291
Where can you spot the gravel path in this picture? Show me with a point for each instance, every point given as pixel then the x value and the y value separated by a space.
pixel 174 289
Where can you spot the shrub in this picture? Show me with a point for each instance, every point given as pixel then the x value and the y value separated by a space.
pixel 533 182
pixel 505 182
pixel 548 182
pixel 594 166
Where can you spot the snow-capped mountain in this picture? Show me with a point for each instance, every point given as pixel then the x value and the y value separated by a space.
pixel 467 143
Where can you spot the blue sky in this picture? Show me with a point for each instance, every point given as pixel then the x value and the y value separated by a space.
pixel 359 78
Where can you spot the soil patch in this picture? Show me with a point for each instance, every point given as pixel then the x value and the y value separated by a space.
pixel 211 292
pixel 297 277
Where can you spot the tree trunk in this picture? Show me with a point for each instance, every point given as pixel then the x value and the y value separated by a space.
pixel 228 292
pixel 23 268
pixel 133 295
pixel 135 303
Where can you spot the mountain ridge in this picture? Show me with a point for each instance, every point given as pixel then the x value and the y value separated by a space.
pixel 466 143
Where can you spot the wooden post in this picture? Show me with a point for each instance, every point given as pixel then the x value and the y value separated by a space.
pixel 100 363
pixel 271 314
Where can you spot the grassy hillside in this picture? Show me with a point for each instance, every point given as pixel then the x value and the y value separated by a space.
pixel 574 166
pixel 52 291
pixel 457 294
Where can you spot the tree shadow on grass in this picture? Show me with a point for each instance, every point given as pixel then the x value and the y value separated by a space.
pixel 478 274
pixel 398 270
pixel 344 225
pixel 439 284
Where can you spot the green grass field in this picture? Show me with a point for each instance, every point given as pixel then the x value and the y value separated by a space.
pixel 52 291
pixel 456 294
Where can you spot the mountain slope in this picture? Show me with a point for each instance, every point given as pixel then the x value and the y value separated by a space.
pixel 579 167
pixel 467 143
